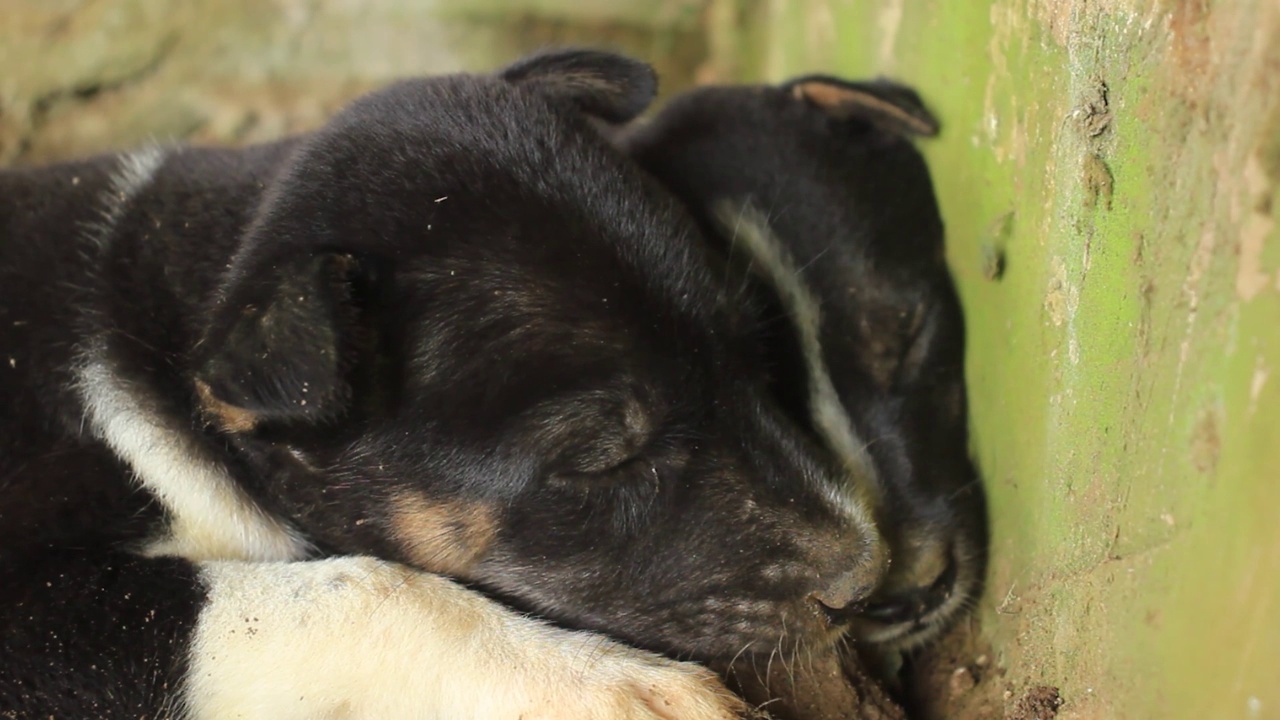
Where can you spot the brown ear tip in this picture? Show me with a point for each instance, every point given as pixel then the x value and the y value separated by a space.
pixel 893 107
pixel 224 415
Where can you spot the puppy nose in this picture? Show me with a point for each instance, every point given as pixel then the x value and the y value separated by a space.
pixel 842 590
pixel 914 602
pixel 853 581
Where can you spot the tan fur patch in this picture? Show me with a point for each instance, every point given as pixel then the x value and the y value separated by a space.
pixel 843 99
pixel 225 415
pixel 448 536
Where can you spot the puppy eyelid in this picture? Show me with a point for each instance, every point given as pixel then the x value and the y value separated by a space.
pixel 623 472
pixel 916 350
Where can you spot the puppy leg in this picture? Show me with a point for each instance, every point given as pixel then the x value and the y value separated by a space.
pixel 359 638
pixel 113 635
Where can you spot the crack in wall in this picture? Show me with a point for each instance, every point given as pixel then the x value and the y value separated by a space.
pixel 86 92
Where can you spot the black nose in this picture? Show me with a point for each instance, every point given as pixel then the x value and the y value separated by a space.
pixel 913 604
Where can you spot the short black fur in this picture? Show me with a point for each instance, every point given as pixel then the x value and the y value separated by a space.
pixel 827 166
pixel 454 328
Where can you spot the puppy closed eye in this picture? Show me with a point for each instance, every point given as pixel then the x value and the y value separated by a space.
pixel 916 335
pixel 600 443
pixel 624 494
pixel 630 471
pixel 929 355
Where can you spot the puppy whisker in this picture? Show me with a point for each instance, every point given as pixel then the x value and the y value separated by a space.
pixel 768 668
pixel 817 256
pixel 964 489
pixel 733 661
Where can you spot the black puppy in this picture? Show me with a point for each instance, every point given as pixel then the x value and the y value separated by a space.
pixel 453 328
pixel 815 185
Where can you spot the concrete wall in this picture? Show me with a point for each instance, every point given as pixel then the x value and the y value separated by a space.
pixel 85 75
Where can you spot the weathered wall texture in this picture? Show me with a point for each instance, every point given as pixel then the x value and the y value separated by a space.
pixel 85 75
pixel 1117 160
pixel 1123 157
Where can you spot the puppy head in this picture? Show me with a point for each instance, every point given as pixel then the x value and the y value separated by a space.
pixel 466 333
pixel 815 185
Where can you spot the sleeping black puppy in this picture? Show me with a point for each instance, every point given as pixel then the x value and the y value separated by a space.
pixel 816 186
pixel 455 329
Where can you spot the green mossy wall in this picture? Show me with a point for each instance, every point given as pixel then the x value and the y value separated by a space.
pixel 1121 160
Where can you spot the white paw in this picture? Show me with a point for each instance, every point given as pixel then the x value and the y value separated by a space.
pixel 361 639
pixel 609 681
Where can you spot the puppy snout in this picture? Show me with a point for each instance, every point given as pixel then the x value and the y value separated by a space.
pixel 847 588
pixel 913 603
pixel 844 590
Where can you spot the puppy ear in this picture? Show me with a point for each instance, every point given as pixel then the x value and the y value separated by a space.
pixel 274 350
pixel 888 105
pixel 605 85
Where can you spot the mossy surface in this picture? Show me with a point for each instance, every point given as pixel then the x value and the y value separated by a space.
pixel 1108 173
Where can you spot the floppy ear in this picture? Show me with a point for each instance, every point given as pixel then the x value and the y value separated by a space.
pixel 274 348
pixel 888 105
pixel 611 87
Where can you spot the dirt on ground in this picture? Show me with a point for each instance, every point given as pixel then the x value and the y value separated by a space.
pixel 958 678
pixel 1039 703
